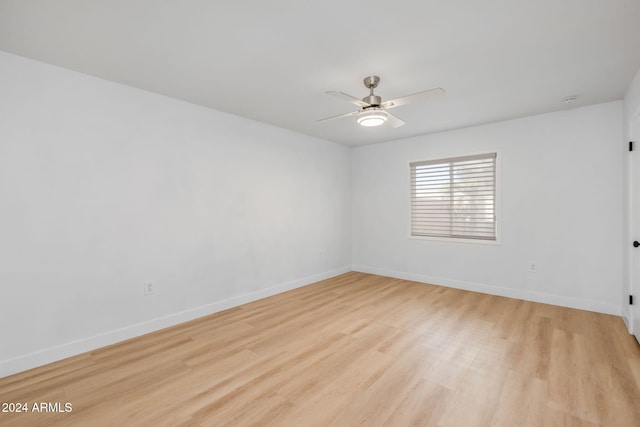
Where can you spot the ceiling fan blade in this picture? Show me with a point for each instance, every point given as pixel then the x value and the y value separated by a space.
pixel 339 116
pixel 393 121
pixel 420 96
pixel 349 98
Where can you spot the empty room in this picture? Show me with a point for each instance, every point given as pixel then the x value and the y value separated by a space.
pixel 349 213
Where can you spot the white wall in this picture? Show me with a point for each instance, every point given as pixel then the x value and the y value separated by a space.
pixel 561 202
pixel 631 110
pixel 632 100
pixel 103 186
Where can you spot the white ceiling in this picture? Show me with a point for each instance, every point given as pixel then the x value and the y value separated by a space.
pixel 272 60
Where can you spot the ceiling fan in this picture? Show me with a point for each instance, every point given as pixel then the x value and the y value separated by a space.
pixel 373 112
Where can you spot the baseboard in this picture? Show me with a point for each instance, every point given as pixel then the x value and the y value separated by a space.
pixel 571 302
pixel 53 354
pixel 627 320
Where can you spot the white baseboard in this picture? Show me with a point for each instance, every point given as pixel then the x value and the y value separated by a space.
pixel 53 354
pixel 627 320
pixel 571 302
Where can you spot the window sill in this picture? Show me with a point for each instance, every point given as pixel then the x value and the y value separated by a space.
pixel 456 240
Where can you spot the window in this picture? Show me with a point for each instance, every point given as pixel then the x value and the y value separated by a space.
pixel 454 197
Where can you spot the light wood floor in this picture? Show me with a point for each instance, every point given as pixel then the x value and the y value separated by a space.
pixel 354 350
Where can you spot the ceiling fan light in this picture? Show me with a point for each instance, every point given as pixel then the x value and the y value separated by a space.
pixel 372 118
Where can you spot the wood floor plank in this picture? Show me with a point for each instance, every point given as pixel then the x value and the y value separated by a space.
pixel 528 394
pixel 379 401
pixel 423 405
pixel 357 349
pixel 573 388
pixel 533 349
pixel 476 396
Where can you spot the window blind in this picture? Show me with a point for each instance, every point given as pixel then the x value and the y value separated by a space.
pixel 454 197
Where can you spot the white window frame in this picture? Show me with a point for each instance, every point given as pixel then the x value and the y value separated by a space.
pixel 497 195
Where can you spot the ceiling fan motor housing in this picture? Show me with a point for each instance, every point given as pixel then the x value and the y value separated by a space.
pixel 372 100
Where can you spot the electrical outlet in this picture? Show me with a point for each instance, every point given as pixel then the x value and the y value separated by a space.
pixel 148 288
pixel 533 267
